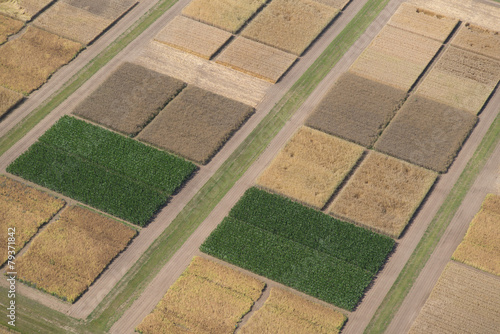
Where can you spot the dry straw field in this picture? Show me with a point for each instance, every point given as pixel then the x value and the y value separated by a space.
pixel 426 133
pixel 192 36
pixel 8 99
pixel 284 313
pixel 207 298
pixel 86 243
pixel 25 209
pixel 8 26
pixel 254 58
pixel 383 194
pixel 464 300
pixel 290 25
pixel 129 98
pixel 356 109
pixel 338 4
pixel 310 167
pixel 477 39
pixel 23 9
pixel 196 124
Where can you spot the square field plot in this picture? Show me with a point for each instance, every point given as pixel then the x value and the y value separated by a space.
pixel 290 25
pixel 479 40
pixel 310 167
pixel 426 133
pixel 108 9
pixel 254 58
pixel 23 9
pixel 196 124
pixel 8 99
pixel 207 298
pixel 8 26
pixel 66 258
pixel 129 98
pixel 383 194
pixel 356 109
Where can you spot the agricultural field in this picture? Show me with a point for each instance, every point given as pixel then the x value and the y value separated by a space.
pixel 196 124
pixel 192 36
pixel 464 300
pixel 23 9
pixel 479 40
pixel 383 194
pixel 24 65
pixel 108 9
pixel 259 60
pixel 129 98
pixel 8 26
pixel 207 298
pixel 427 133
pixel 105 170
pixel 25 209
pixel 8 99
pixel 86 243
pixel 310 167
pixel 284 313
pixel 338 4
pixel 290 25
pixel 299 247
pixel 356 109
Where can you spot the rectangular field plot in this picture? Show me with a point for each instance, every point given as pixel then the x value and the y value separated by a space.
pixel 464 300
pixel 129 98
pixel 207 298
pixel 8 26
pixel 196 124
pixel 479 40
pixel 8 99
pixel 25 209
pixel 23 9
pixel 290 25
pixel 356 109
pixel 108 9
pixel 284 312
pixel 310 167
pixel 66 258
pixel 256 59
pixel 480 247
pixel 299 247
pixel 383 194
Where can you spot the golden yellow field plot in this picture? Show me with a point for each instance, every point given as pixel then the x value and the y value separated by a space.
pixel 207 298
pixel 481 245
pixel 193 36
pixel 477 39
pixel 423 22
pixel 338 4
pixel 284 313
pixel 25 209
pixel 23 9
pixel 464 300
pixel 290 25
pixel 257 59
pixel 8 27
pixel 310 167
pixel 383 194
pixel 66 258
pixel 8 99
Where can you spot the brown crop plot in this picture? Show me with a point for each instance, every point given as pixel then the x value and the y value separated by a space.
pixel 108 9
pixel 23 9
pixel 464 300
pixel 383 194
pixel 129 98
pixel 310 167
pixel 426 133
pixel 479 40
pixel 207 298
pixel 196 124
pixel 8 27
pixel 356 109
pixel 66 258
pixel 25 209
pixel 284 312
pixel 290 25
pixel 338 4
pixel 193 36
pixel 229 15
pixel 8 99
pixel 254 58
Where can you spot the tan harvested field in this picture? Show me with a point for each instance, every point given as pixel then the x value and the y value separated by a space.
pixel 356 109
pixel 8 26
pixel 25 209
pixel 22 9
pixel 464 300
pixel 423 22
pixel 86 243
pixel 192 36
pixel 229 15
pixel 108 9
pixel 129 98
pixel 8 99
pixel 426 133
pixel 257 59
pixel 480 247
pixel 310 167
pixel 477 39
pixel 196 124
pixel 383 194
pixel 207 298
pixel 290 25
pixel 24 65
pixel 338 4
pixel 285 313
